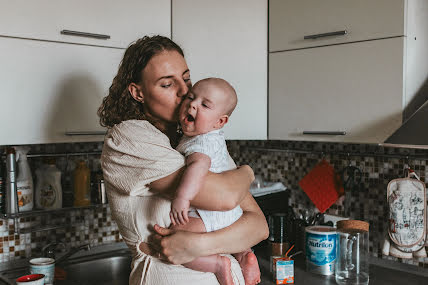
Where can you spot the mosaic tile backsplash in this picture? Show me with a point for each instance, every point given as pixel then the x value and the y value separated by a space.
pixel 290 161
pixel 283 161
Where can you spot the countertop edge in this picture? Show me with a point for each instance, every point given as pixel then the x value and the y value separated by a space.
pixel 398 266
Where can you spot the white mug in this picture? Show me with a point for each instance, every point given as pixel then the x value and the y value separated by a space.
pixel 44 266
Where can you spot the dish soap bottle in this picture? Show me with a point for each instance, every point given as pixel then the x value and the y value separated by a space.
pixel 82 184
pixel 49 190
pixel 24 180
pixel 2 188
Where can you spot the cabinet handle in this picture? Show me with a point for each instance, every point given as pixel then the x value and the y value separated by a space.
pixel 88 133
pixel 326 133
pixel 314 37
pixel 84 34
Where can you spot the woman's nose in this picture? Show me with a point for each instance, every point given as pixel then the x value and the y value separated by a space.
pixel 182 89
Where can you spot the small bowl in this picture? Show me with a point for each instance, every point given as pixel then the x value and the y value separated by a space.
pixel 32 279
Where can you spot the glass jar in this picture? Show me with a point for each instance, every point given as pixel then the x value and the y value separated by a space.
pixel 278 235
pixel 352 264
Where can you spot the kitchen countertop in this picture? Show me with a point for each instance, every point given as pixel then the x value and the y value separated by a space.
pixel 381 272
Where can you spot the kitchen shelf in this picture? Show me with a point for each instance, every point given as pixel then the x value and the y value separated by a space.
pixel 45 228
pixel 45 212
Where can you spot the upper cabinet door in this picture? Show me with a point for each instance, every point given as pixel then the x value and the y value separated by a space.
pixel 354 88
pixel 329 22
pixel 96 22
pixel 228 39
pixel 49 89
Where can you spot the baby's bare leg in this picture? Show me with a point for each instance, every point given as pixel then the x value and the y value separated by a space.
pixel 249 266
pixel 217 264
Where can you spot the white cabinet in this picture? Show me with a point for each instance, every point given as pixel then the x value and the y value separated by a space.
pixel 290 21
pixel 356 84
pixel 327 89
pixel 52 83
pixel 122 21
pixel 49 89
pixel 228 39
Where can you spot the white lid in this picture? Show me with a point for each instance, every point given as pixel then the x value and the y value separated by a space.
pixel 320 230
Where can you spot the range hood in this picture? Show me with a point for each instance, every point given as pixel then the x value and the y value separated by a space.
pixel 413 131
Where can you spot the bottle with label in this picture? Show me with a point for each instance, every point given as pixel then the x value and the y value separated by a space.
pixel 11 197
pixel 48 188
pixel 2 188
pixel 24 180
pixel 82 184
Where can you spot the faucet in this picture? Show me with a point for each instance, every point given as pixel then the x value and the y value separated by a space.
pixel 49 251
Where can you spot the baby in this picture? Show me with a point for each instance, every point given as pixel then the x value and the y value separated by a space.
pixel 204 111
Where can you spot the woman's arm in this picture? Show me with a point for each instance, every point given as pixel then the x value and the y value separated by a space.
pixel 220 191
pixel 179 247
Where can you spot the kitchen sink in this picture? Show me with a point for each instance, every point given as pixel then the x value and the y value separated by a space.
pixel 111 268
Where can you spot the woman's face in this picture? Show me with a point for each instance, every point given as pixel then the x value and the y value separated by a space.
pixel 166 79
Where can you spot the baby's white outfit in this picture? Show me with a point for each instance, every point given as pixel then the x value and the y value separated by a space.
pixel 212 144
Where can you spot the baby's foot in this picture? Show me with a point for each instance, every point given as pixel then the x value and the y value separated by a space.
pixel 249 266
pixel 223 274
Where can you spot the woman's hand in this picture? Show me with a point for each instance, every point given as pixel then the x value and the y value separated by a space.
pixel 176 247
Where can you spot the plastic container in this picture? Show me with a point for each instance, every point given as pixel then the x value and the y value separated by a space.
pixel 82 184
pixel 48 186
pixel 24 180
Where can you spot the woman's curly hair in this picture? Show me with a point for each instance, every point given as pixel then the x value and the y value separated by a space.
pixel 118 105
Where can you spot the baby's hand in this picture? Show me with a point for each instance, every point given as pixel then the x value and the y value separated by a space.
pixel 179 210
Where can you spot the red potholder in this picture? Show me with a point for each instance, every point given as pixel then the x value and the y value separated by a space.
pixel 322 185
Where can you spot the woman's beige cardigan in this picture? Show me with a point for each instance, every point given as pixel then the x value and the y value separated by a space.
pixel 136 153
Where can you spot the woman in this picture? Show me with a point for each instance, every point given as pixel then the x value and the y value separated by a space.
pixel 142 170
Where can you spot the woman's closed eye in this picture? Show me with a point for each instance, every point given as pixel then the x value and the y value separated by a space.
pixel 190 97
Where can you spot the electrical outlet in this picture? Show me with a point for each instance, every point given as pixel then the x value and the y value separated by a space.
pixel 333 218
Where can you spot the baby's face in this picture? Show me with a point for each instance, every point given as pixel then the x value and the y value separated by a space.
pixel 203 109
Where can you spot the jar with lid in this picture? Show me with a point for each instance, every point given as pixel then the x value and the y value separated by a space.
pixel 352 264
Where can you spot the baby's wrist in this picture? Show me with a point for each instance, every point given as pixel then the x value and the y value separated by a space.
pixel 185 199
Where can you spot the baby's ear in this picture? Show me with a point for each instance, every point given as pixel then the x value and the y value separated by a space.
pixel 222 121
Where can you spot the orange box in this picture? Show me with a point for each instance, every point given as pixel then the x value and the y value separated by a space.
pixel 283 270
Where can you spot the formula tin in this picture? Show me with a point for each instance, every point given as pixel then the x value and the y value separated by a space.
pixel 321 249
